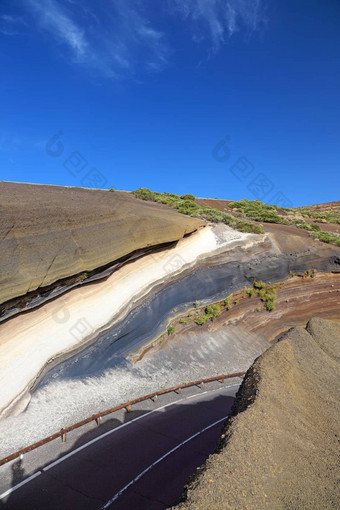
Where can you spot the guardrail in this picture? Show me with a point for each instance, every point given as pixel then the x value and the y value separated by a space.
pixel 127 405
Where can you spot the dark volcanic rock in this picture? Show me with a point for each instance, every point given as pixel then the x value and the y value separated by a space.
pixel 280 446
pixel 49 232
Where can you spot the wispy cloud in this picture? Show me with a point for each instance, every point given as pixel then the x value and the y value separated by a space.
pixel 10 24
pixel 55 19
pixel 116 38
pixel 122 37
pixel 218 20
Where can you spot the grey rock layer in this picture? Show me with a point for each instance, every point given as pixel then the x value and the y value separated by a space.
pixel 280 448
pixel 50 232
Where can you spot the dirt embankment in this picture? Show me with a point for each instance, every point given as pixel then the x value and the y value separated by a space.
pixel 298 298
pixel 279 448
pixel 48 233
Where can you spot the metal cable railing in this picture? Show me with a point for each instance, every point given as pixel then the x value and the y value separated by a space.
pixel 127 405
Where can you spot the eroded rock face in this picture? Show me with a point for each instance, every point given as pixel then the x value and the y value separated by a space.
pixel 279 449
pixel 49 232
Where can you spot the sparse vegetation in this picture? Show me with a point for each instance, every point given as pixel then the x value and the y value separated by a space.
pixel 226 303
pixel 311 227
pixel 188 197
pixel 250 292
pixel 332 216
pixel 182 321
pixel 196 304
pixel 258 211
pixel 186 204
pixel 327 237
pixel 171 330
pixel 267 293
pixel 211 312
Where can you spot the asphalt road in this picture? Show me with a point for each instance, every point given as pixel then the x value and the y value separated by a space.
pixel 144 465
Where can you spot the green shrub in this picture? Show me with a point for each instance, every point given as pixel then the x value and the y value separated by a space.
pixel 270 305
pixel 186 204
pixel 259 284
pixel 250 292
pixel 213 310
pixel 257 210
pixel 171 330
pixel 327 237
pixel 144 194
pixel 182 321
pixel 202 319
pixel 188 196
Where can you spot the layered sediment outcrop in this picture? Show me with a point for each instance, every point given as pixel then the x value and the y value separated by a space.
pixel 279 448
pixel 48 233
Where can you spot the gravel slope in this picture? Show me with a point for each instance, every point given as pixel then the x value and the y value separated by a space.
pixel 279 449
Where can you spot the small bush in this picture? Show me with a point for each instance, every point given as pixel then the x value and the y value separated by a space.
pixel 144 194
pixel 182 321
pixel 250 292
pixel 259 284
pixel 188 196
pixel 171 330
pixel 213 310
pixel 270 305
pixel 257 210
pixel 202 319
pixel 327 237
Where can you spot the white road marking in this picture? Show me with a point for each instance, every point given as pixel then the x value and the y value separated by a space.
pixel 12 489
pixel 73 452
pixel 116 496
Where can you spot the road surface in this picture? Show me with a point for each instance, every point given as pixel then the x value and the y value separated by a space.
pixel 144 465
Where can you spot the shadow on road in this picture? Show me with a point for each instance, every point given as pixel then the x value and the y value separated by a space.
pixel 85 479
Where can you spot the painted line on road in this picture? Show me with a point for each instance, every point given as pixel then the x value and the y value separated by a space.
pixel 94 440
pixel 73 452
pixel 116 496
pixel 12 489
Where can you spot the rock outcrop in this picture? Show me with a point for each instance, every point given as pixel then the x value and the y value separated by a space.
pixel 48 233
pixel 279 448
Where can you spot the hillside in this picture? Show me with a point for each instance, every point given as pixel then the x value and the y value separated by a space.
pixel 279 448
pixel 48 233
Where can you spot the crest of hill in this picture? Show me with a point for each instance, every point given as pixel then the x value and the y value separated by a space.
pixel 279 449
pixel 48 233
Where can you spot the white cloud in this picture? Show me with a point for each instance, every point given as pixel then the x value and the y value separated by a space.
pixel 118 38
pixel 114 37
pixel 218 19
pixel 58 22
pixel 10 25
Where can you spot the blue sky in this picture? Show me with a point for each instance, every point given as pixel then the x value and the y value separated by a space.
pixel 220 98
